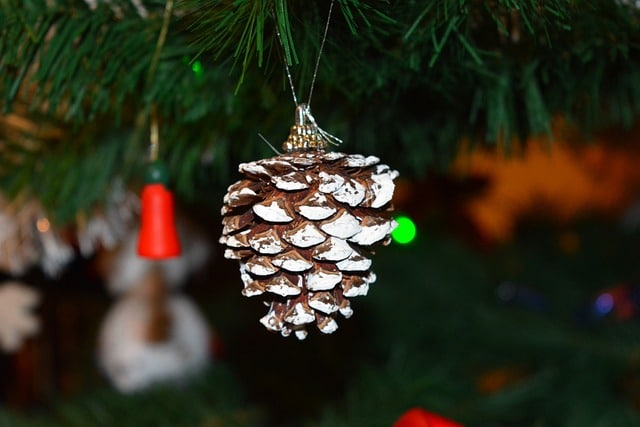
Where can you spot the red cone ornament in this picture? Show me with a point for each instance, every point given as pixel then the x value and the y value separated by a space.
pixel 418 417
pixel 158 238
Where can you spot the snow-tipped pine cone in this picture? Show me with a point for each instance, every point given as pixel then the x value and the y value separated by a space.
pixel 300 225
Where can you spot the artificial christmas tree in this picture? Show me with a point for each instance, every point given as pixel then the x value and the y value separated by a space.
pixel 408 82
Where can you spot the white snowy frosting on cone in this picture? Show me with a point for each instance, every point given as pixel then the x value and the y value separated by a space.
pixel 300 315
pixel 382 186
pixel 281 285
pixel 316 207
pixel 304 236
pixel 343 225
pixel 355 262
pixel 323 301
pixel 351 192
pixel 321 280
pixel 291 181
pixel 274 211
pixel 332 249
pixel 330 182
pixel 373 231
pixel 266 242
pixel 292 261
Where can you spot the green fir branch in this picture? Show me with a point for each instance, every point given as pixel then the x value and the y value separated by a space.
pixel 405 80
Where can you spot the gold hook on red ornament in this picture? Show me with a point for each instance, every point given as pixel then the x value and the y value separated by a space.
pixel 154 135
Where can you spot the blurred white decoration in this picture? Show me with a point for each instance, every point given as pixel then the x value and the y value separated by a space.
pixel 133 362
pixel 128 269
pixel 54 253
pixel 17 249
pixel 151 334
pixel 17 321
pixel 27 238
pixel 108 227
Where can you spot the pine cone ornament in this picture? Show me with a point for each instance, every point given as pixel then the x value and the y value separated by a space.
pixel 301 225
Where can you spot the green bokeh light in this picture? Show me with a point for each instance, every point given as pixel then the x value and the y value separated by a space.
pixel 197 68
pixel 405 232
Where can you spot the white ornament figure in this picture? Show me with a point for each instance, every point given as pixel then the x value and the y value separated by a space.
pixel 17 321
pixel 108 226
pixel 149 338
pixel 126 269
pixel 55 253
pixel 152 334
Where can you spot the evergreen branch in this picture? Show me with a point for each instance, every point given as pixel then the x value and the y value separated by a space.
pixel 434 73
pixel 213 399
pixel 240 29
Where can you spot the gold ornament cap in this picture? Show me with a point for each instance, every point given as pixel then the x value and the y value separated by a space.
pixel 306 135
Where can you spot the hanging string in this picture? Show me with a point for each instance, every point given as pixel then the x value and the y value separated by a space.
pixel 324 38
pixel 154 133
pixel 315 71
pixel 162 37
pixel 154 136
pixel 286 66
pixel 306 134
